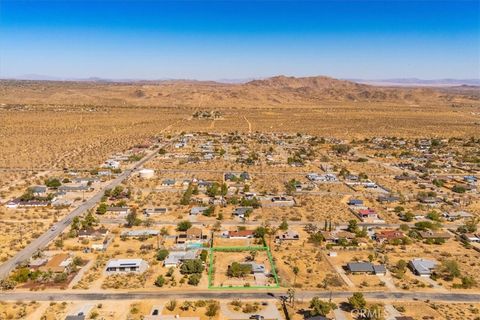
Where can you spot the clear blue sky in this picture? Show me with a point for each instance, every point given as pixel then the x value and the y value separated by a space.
pixel 240 39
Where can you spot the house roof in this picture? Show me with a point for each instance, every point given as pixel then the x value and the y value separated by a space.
pixel 423 266
pixel 117 263
pixel 175 257
pixel 241 233
pixel 360 266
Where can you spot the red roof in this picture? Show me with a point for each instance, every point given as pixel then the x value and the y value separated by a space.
pixel 241 233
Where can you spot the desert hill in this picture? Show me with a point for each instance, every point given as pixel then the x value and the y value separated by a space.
pixel 275 91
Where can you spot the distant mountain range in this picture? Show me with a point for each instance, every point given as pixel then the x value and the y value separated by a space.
pixel 420 82
pixel 409 82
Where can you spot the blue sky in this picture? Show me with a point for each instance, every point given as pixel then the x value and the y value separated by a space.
pixel 240 39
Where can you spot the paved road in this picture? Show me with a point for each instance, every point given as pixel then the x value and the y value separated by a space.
pixel 58 228
pixel 230 295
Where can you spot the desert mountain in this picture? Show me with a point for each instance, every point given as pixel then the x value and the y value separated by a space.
pixel 275 91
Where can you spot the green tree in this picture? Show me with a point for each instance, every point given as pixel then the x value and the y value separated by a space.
pixel 320 308
pixel 53 183
pixel 212 309
pixel 194 279
pixel 284 225
pixel 191 266
pixel 162 254
pixel 184 225
pixel 238 270
pixel 357 301
pixel 102 208
pixel 352 226
pixel 160 281
pixel 132 219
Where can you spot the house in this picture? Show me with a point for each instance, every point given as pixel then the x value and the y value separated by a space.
pixel 422 267
pixel 174 258
pixel 140 233
pixel 355 202
pixel 431 201
pixel 471 237
pixel 59 263
pixel 17 203
pixel 328 177
pixel 457 215
pixel 92 233
pixel 470 179
pixel 366 267
pixel 194 234
pixel 241 212
pixel 388 235
pixel 288 235
pixel 38 191
pixel 122 211
pixel 126 266
pixel 434 235
pixel 111 164
pixel 218 201
pixel 151 211
pixel 405 177
pixel 367 214
pixel 256 267
pixel 168 183
pixel 197 210
pixel 241 234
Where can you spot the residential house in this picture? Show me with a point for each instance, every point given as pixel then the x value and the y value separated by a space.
pixel 154 211
pixel 366 267
pixel 175 258
pixel 355 202
pixel 471 237
pixel 457 215
pixel 39 191
pixel 197 210
pixel 126 266
pixel 336 235
pixel 92 233
pixel 241 234
pixel 241 212
pixel 422 267
pixel 429 234
pixel 388 235
pixel 121 211
pixel 367 214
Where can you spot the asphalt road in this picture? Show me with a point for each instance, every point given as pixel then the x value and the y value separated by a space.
pixel 232 294
pixel 60 226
